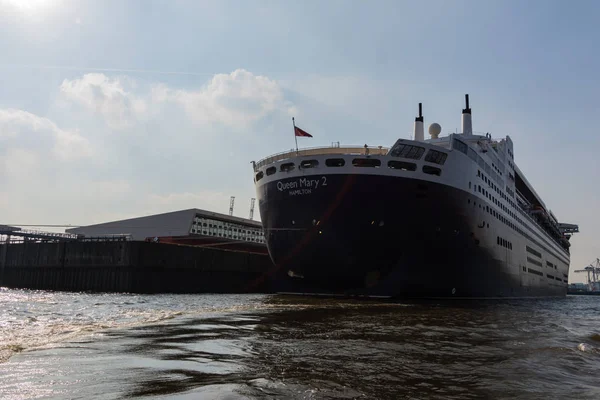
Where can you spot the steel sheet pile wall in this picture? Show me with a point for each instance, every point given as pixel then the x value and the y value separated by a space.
pixel 137 267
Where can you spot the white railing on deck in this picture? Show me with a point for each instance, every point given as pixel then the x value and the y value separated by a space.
pixel 314 151
pixel 525 210
pixel 522 199
pixel 43 234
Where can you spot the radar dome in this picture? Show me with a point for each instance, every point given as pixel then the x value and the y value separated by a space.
pixel 434 130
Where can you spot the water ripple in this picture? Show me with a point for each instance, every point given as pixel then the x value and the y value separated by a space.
pixel 271 347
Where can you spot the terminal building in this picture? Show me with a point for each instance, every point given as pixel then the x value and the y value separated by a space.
pixel 192 226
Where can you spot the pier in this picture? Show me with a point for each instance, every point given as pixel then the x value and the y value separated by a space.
pixel 185 251
pixel 121 265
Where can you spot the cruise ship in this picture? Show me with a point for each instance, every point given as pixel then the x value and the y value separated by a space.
pixel 448 216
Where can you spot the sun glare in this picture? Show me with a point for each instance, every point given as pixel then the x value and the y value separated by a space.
pixel 30 6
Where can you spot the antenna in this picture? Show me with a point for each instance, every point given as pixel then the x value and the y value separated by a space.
pixel 252 200
pixel 231 201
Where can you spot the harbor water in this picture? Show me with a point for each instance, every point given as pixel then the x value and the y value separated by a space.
pixel 114 346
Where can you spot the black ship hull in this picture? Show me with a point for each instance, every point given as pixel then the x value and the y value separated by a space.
pixel 375 235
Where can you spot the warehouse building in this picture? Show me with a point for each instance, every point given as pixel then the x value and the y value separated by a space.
pixel 193 223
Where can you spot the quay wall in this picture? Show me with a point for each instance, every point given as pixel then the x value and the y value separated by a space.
pixel 129 266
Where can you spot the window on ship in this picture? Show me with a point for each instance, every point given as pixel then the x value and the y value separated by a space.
pixel 335 162
pixel 406 166
pixel 437 157
pixel 460 146
pixel 432 170
pixel 366 162
pixel 472 154
pixel 407 151
pixel 309 164
pixel 287 167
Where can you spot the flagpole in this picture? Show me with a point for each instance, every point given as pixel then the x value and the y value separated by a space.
pixel 295 137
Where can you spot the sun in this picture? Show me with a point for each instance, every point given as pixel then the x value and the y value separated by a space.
pixel 30 5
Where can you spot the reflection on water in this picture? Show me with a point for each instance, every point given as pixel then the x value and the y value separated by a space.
pixel 236 347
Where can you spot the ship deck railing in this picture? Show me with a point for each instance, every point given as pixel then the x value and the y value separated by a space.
pixel 323 150
pixel 525 210
pixel 11 239
pixel 34 234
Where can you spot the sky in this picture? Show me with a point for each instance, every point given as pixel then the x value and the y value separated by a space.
pixel 114 109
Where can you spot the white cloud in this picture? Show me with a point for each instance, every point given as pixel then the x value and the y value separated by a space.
pixel 170 154
pixel 107 97
pixel 22 129
pixel 18 165
pixel 34 154
pixel 70 145
pixel 234 99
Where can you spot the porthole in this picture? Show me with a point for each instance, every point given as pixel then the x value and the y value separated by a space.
pixel 335 162
pixel 431 170
pixel 309 164
pixel 287 167
pixel 366 162
pixel 402 165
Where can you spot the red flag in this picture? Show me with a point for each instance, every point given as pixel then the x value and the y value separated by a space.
pixel 300 132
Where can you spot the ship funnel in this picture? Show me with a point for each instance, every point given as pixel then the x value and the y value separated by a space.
pixel 418 131
pixel 467 126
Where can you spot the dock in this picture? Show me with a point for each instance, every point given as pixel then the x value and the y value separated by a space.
pixel 185 251
pixel 120 265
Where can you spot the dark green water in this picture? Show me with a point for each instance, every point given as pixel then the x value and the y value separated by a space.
pixel 66 346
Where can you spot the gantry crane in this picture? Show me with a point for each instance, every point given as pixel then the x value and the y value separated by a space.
pixel 252 200
pixel 593 271
pixel 231 201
